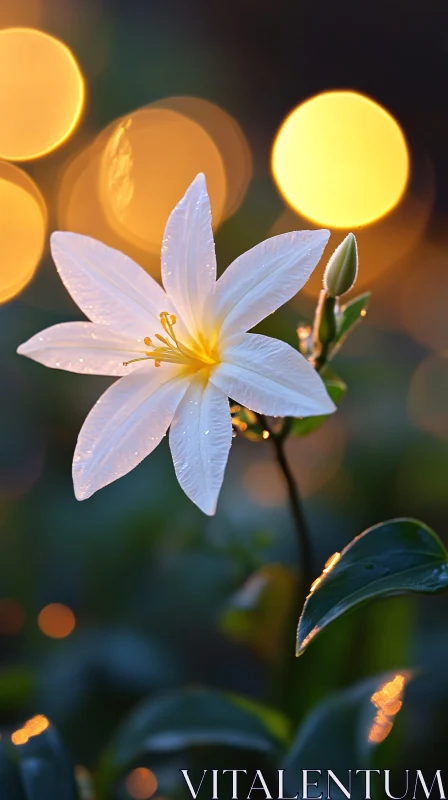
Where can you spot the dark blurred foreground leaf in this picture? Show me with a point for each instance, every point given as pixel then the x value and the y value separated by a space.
pixel 395 557
pixel 190 718
pixel 336 388
pixel 350 315
pixel 38 769
pixel 342 731
pixel 16 686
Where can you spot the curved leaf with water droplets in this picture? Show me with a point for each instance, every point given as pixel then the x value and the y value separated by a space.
pixel 395 557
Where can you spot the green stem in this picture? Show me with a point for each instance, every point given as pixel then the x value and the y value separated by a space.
pixel 296 507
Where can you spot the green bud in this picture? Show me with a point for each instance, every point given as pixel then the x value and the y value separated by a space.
pixel 342 268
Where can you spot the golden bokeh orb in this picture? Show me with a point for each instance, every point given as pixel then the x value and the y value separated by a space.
pixel 56 621
pixel 79 207
pixel 229 138
pixel 141 783
pixel 41 93
pixel 150 159
pixel 341 160
pixel 23 225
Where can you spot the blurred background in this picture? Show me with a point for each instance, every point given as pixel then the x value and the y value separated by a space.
pixel 301 114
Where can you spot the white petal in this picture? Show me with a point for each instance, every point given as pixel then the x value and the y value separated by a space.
pixel 200 439
pixel 109 287
pixel 270 377
pixel 264 278
pixel 125 425
pixel 84 347
pixel 188 254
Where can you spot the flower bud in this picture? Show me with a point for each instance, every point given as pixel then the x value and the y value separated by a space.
pixel 342 268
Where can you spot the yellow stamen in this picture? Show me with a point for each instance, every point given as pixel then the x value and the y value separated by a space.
pixel 197 355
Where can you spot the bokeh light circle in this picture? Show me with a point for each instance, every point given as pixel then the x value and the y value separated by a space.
pixel 41 93
pixel 149 161
pixel 383 245
pixel 79 207
pixel 12 616
pixel 229 139
pixel 141 783
pixel 56 621
pixel 341 160
pixel 23 224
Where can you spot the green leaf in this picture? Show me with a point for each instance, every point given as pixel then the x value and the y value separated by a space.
pixel 336 388
pixel 189 718
pixel 350 315
pixel 37 769
pixel 343 731
pixel 16 686
pixel 395 557
pixel 10 782
pixel 259 611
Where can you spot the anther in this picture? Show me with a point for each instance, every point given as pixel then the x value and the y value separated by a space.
pixel 162 339
pixel 147 341
pixel 173 319
pixel 157 363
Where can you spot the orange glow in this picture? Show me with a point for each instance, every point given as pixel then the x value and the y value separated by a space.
pixel 141 783
pixel 229 139
pixel 331 562
pixel 19 737
pixel 79 208
pixel 149 161
pixel 428 392
pixel 20 13
pixel 383 244
pixel 315 584
pixel 304 331
pixel 36 725
pixel 41 93
pixel 388 700
pixel 56 621
pixel 23 224
pixel 340 159
pixel 12 616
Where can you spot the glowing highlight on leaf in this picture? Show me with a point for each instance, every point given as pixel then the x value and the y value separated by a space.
pixel 388 700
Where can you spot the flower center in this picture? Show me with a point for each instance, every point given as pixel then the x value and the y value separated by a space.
pixel 196 355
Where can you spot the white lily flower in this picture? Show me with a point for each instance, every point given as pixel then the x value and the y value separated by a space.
pixel 182 350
